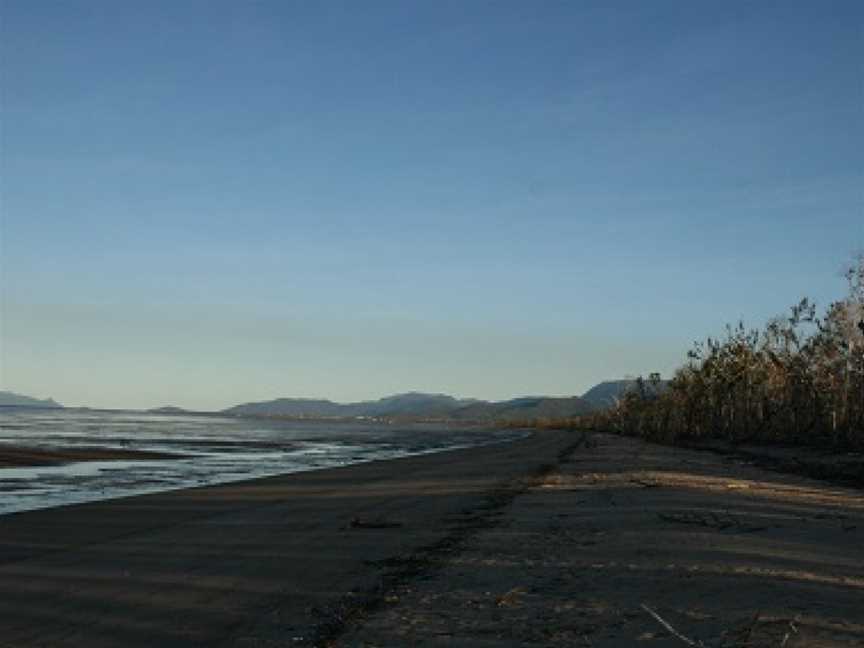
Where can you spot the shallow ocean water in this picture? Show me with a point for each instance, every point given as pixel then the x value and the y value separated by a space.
pixel 215 450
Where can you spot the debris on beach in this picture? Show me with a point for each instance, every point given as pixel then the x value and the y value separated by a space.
pixel 376 523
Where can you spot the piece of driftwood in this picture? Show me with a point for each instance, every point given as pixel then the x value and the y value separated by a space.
pixel 750 627
pixel 711 520
pixel 668 626
pixel 644 483
pixel 793 630
pixel 359 523
pixel 509 598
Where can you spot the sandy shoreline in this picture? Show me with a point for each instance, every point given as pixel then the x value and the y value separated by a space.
pixel 624 537
pixel 246 564
pixel 19 456
pixel 551 540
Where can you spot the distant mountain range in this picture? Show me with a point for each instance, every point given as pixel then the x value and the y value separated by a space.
pixel 414 405
pixel 11 399
pixel 442 406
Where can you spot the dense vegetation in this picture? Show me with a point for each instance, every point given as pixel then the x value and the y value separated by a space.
pixel 798 380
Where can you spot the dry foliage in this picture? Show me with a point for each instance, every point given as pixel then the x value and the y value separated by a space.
pixel 799 380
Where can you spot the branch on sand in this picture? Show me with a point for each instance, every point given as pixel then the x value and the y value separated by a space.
pixel 358 523
pixel 672 630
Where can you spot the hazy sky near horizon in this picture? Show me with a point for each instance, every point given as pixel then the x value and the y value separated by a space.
pixel 204 203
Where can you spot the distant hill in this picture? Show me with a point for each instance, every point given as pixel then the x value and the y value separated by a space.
pixel 168 409
pixel 417 405
pixel 608 393
pixel 299 407
pixel 412 404
pixel 524 408
pixel 8 399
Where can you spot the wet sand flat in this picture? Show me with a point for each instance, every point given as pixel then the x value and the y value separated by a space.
pixel 18 456
pixel 259 563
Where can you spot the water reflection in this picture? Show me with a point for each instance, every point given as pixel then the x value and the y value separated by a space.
pixel 212 450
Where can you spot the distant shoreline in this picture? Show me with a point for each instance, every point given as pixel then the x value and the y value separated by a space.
pixel 387 420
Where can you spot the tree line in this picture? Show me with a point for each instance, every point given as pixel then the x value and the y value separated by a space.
pixel 798 380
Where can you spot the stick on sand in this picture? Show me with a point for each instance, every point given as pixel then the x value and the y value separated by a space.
pixel 669 627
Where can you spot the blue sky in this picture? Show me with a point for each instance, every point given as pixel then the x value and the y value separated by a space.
pixel 205 203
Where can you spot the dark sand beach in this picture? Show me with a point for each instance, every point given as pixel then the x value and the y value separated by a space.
pixel 256 563
pixel 552 540
pixel 627 544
